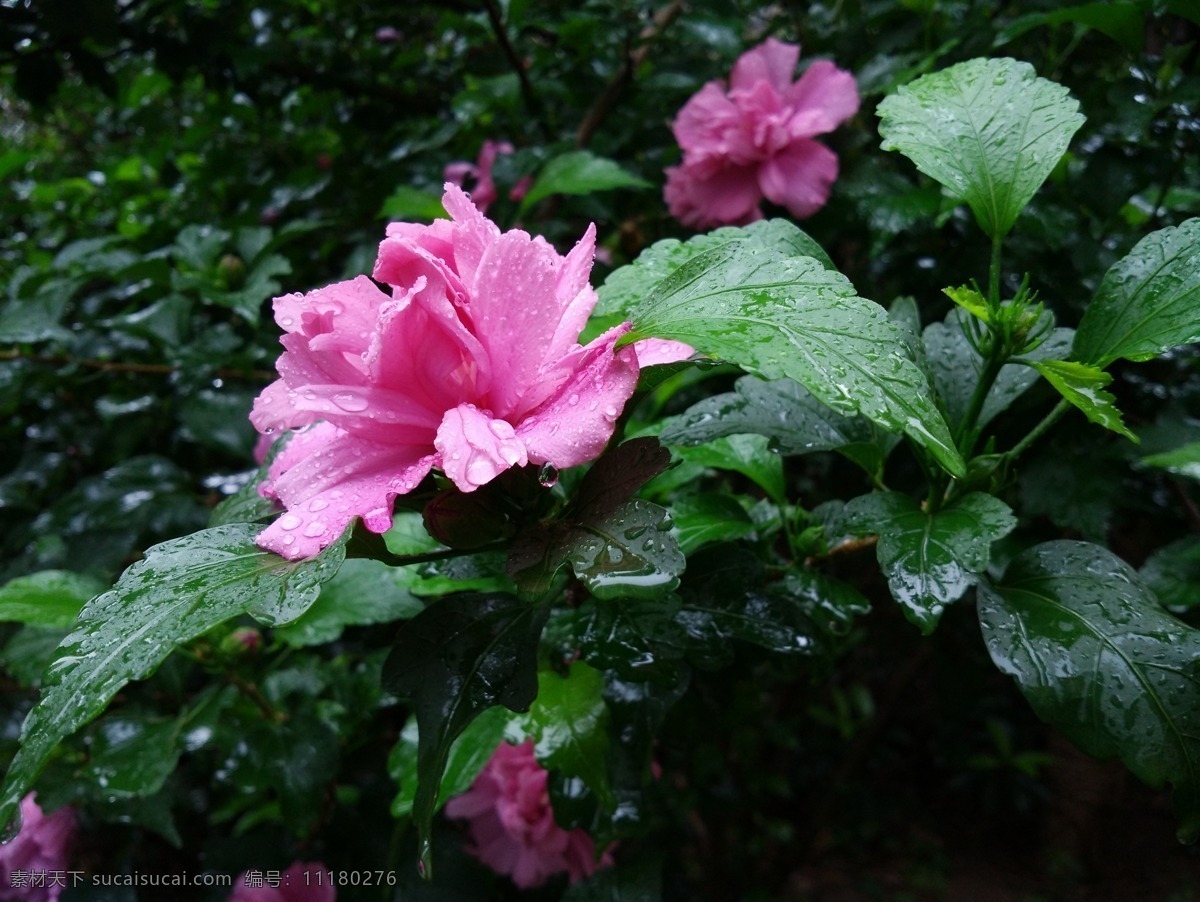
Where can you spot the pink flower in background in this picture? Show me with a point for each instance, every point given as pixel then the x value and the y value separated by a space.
pixel 484 193
pixel 42 845
pixel 472 364
pixel 756 139
pixel 302 882
pixel 512 825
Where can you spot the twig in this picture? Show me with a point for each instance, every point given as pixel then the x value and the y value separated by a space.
pixel 527 92
pixel 606 101
pixel 251 692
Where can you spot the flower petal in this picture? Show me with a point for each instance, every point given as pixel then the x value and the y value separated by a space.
pixel 653 351
pixel 800 177
pixel 771 61
pixel 574 425
pixel 827 90
pixel 326 477
pixel 475 448
pixel 728 197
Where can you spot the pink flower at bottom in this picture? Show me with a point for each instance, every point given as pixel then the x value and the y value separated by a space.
pixel 303 881
pixel 755 140
pixel 471 364
pixel 512 826
pixel 42 845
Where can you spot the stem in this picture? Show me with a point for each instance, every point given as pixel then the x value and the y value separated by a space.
pixel 527 92
pixel 994 276
pixel 967 433
pixel 251 692
pixel 1049 420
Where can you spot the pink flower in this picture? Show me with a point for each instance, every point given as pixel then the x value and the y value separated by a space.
pixel 512 826
pixel 302 882
pixel 484 193
pixel 41 847
pixel 471 364
pixel 756 140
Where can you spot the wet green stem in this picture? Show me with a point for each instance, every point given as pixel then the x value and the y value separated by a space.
pixel 1037 432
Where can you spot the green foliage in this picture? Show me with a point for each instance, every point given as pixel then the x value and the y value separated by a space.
pixel 989 130
pixel 1083 386
pixel 1096 657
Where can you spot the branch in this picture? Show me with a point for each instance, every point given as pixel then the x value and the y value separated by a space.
pixel 606 101
pixel 527 92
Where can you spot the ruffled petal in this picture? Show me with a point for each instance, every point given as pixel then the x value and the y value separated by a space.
pixel 800 178
pixel 475 448
pixel 771 61
pixel 574 425
pixel 829 92
pixel 704 125
pixel 728 197
pixel 326 477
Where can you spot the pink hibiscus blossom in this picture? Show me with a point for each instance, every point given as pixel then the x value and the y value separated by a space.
pixel 756 140
pixel 303 881
pixel 512 827
pixel 471 364
pixel 42 846
pixel 484 192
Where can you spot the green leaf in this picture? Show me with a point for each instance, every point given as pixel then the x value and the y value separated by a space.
pixel 568 722
pixel 624 287
pixel 1181 461
pixel 626 553
pixel 469 754
pixel 362 592
pixel 1173 573
pixel 639 880
pixel 180 590
pixel 989 130
pixel 1148 301
pixel 408 204
pixel 454 660
pixel 970 300
pixel 1123 22
pixel 48 598
pixel 710 517
pixel 132 756
pixel 637 638
pixel 955 367
pixel 1083 385
pixel 1096 657
pixel 579 172
pixel 930 560
pixel 749 455
pixel 792 318
pixel 828 602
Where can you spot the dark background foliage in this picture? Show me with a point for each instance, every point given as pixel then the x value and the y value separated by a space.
pixel 169 166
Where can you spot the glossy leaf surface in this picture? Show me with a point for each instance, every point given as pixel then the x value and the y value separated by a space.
pixel 1096 656
pixel 1083 386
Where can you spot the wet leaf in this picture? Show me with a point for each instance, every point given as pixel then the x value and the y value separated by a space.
pixel 625 287
pixel 629 881
pixel 750 455
pixel 636 638
pixel 955 367
pixel 1096 657
pixel 469 753
pixel 990 130
pixel 1173 573
pixel 579 172
pixel 132 756
pixel 709 517
pixel 454 660
pixel 1148 301
pixel 1181 461
pixel 627 553
pixel 792 318
pixel 48 598
pixel 1083 386
pixel 1123 22
pixel 568 722
pixel 930 560
pixel 180 590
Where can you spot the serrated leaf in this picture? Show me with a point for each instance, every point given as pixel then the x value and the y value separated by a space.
pixel 624 287
pixel 1097 658
pixel 990 130
pixel 180 590
pixel 628 552
pixel 955 367
pixel 930 560
pixel 454 660
pixel 970 300
pixel 1148 301
pixel 579 172
pixel 568 722
pixel 748 454
pixel 1083 385
pixel 828 602
pixel 48 598
pixel 792 318
pixel 637 638
pixel 617 474
pixel 1181 461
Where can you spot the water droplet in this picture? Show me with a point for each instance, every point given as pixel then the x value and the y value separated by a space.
pixel 289 540
pixel 12 828
pixel 573 400
pixel 350 402
pixel 318 504
pixel 548 475
pixel 314 529
pixel 289 521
